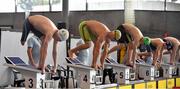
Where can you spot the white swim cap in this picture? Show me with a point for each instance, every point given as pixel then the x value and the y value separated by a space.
pixel 63 34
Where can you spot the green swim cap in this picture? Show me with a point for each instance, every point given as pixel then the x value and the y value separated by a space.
pixel 117 34
pixel 146 40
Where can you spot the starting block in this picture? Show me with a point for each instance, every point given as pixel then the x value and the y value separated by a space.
pixel 33 76
pixel 168 70
pixel 145 71
pixel 178 69
pixel 86 76
pixel 123 72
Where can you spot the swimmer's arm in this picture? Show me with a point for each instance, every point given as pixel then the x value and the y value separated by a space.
pixel 96 50
pixel 54 53
pixel 104 54
pixel 134 54
pixel 173 54
pixel 29 52
pixel 114 48
pixel 161 54
pixel 43 50
pixel 158 54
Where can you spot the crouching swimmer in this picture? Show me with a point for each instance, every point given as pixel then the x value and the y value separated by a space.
pixel 46 30
pixel 131 38
pixel 172 47
pixel 99 34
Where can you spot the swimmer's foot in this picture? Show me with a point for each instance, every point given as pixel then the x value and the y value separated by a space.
pixel 171 63
pixel 42 70
pixel 100 66
pixel 131 65
pixel 96 67
pixel 54 70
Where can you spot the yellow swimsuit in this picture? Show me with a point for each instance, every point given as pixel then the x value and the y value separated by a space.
pixel 85 33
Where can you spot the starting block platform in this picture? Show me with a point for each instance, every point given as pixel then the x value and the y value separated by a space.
pixel 33 76
pixel 168 70
pixel 145 71
pixel 148 72
pixel 86 76
pixel 122 71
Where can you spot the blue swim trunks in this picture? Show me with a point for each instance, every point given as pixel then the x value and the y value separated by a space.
pixel 27 27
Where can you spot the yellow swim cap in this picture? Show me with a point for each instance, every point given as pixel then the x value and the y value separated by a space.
pixel 117 34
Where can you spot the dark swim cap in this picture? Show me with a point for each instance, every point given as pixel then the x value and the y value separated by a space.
pixel 169 45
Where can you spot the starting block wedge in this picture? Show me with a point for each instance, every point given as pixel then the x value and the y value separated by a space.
pixel 33 76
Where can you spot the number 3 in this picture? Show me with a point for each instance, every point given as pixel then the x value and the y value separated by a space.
pixel 31 83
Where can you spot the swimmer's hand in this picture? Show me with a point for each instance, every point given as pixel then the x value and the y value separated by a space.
pixel 71 54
